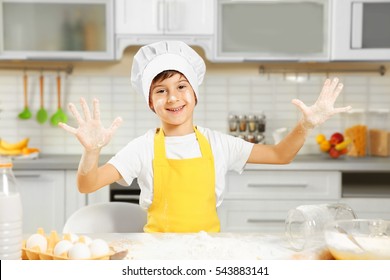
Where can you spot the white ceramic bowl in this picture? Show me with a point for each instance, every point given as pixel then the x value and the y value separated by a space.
pixel 372 235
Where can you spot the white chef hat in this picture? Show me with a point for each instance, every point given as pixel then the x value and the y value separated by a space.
pixel 155 58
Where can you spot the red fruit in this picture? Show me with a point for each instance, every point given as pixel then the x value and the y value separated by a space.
pixel 334 153
pixel 343 151
pixel 336 138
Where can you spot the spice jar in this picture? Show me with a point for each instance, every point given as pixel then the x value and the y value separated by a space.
pixel 242 123
pixel 261 123
pixel 251 138
pixel 233 123
pixel 252 123
pixel 260 138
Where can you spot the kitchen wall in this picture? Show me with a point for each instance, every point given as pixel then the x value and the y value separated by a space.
pixel 227 88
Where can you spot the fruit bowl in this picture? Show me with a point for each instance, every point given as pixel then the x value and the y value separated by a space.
pixel 335 146
pixel 359 239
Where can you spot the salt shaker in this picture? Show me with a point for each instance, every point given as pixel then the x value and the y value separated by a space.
pixel 305 224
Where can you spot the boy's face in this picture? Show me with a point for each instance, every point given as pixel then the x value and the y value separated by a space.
pixel 173 100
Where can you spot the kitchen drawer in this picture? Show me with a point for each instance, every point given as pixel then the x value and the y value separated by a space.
pixel 369 208
pixel 284 185
pixel 266 216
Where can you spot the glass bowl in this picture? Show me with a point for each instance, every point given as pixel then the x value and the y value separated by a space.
pixel 358 239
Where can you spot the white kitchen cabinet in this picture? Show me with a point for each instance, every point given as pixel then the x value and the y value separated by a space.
pixel 75 200
pixel 57 29
pixel 148 21
pixel 263 30
pixel 259 200
pixel 43 199
pixel 157 17
pixel 359 30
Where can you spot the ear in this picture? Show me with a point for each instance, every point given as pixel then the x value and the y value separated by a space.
pixel 151 105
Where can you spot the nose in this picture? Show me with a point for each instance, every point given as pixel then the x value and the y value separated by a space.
pixel 173 96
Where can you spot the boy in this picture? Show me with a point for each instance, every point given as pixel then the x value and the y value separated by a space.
pixel 181 167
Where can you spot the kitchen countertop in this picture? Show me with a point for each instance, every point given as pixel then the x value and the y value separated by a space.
pixel 315 162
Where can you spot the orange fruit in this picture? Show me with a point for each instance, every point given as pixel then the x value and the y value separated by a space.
pixel 320 138
pixel 325 146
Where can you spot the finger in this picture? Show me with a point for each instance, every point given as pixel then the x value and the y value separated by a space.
pixel 96 109
pixel 341 110
pixel 75 113
pixel 84 105
pixel 337 91
pixel 67 128
pixel 333 85
pixel 324 90
pixel 115 124
pixel 301 106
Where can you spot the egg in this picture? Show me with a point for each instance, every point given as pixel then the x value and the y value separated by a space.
pixel 73 237
pixel 99 247
pixel 85 239
pixel 79 251
pixel 62 247
pixel 37 240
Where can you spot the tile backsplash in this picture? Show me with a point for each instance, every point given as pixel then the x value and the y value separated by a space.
pixel 220 94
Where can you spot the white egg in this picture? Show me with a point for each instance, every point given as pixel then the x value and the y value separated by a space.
pixel 79 251
pixel 62 247
pixel 73 237
pixel 98 248
pixel 37 240
pixel 85 239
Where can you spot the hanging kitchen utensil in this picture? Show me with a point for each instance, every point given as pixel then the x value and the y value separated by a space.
pixel 42 113
pixel 60 115
pixel 26 113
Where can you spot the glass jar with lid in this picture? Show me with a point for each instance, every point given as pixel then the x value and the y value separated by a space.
pixel 378 132
pixel 242 123
pixel 233 123
pixel 261 123
pixel 356 131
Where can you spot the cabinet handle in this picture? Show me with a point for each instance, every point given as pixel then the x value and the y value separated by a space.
pixel 125 196
pixel 277 185
pixel 256 221
pixel 28 176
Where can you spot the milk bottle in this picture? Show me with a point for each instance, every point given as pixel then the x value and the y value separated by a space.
pixel 10 214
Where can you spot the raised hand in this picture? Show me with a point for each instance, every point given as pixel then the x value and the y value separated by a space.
pixel 91 134
pixel 323 108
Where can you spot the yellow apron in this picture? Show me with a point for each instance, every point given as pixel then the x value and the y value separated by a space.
pixel 184 197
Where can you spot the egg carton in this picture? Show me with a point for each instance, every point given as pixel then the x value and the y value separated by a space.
pixel 34 253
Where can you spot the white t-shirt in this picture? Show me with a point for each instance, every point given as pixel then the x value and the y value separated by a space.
pixel 135 159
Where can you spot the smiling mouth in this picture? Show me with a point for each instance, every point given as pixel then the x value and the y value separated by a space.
pixel 175 109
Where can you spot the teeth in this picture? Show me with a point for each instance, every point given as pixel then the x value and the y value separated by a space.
pixel 176 109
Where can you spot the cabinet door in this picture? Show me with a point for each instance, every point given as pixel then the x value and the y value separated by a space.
pixel 57 29
pixel 43 199
pixel 273 30
pixel 159 17
pixel 139 17
pixel 74 199
pixel 188 17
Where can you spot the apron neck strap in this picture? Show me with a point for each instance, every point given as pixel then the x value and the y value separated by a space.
pixel 159 144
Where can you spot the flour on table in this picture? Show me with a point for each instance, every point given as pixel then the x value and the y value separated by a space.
pixel 202 246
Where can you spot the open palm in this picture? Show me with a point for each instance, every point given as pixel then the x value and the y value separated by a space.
pixel 90 133
pixel 323 108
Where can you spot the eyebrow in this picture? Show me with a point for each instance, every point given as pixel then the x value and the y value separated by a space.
pixel 161 85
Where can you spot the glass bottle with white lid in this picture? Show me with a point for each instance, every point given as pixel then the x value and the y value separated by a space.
pixel 10 213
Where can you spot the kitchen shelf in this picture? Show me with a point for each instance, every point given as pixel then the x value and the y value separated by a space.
pixel 68 69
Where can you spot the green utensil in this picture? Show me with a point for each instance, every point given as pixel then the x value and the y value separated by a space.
pixel 26 113
pixel 42 113
pixel 60 115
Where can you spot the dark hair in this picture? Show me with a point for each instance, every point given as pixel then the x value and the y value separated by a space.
pixel 163 76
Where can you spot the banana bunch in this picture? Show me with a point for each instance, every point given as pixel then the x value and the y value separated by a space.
pixel 16 149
